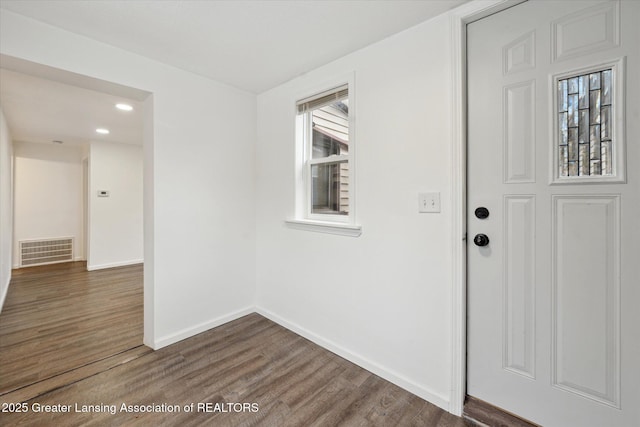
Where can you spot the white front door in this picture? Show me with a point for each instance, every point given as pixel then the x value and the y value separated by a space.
pixel 554 158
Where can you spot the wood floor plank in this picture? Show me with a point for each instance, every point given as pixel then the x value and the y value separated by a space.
pixel 317 408
pixel 249 372
pixel 391 405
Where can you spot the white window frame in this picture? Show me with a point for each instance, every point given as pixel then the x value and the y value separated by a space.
pixel 304 218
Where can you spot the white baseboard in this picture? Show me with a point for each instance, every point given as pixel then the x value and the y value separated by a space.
pixel 114 264
pixel 381 371
pixel 202 327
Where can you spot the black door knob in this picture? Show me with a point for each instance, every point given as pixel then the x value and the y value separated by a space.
pixel 481 240
pixel 482 213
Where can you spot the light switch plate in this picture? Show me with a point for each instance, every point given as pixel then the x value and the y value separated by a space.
pixel 428 202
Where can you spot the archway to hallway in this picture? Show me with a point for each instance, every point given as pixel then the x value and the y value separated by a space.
pixel 60 322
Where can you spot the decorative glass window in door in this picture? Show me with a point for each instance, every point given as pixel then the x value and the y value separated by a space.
pixel 585 125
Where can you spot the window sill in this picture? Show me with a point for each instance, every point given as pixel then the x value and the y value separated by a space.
pixel 325 227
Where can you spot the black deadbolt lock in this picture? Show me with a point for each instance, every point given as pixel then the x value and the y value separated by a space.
pixel 481 240
pixel 482 213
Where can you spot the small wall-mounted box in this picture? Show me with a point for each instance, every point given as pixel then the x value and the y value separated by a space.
pixel 103 193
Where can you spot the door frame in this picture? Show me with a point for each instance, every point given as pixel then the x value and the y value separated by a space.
pixel 459 20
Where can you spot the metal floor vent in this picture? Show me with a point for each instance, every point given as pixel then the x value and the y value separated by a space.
pixel 49 251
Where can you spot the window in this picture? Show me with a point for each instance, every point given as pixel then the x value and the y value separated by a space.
pixel 325 147
pixel 325 137
pixel 584 105
pixel 588 125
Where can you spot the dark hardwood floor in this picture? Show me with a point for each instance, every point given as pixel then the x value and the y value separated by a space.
pixel 60 317
pixel 249 372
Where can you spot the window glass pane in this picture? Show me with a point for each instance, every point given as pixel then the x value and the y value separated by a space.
pixel 324 146
pixel 583 166
pixel 564 131
pixel 330 188
pixel 595 106
pixel 573 144
pixel 564 161
pixel 594 141
pixel 605 122
pixel 583 93
pixel 606 87
pixel 573 151
pixel 562 95
pixel 573 85
pixel 573 111
pixel 594 81
pixel 330 130
pixel 605 155
pixel 573 168
pixel 583 136
pixel 585 111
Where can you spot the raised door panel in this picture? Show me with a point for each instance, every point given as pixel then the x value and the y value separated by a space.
pixel 586 289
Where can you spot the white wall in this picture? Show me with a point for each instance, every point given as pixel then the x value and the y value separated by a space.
pixel 383 299
pixel 6 207
pixel 115 222
pixel 48 194
pixel 211 209
pixel 199 204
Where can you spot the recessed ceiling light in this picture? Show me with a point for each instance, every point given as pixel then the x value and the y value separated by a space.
pixel 102 131
pixel 124 107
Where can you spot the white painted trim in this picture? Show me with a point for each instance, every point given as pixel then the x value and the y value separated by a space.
pixel 3 297
pixel 458 209
pixel 460 17
pixel 375 368
pixel 329 160
pixel 148 223
pixel 199 328
pixel 325 227
pixel 114 264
